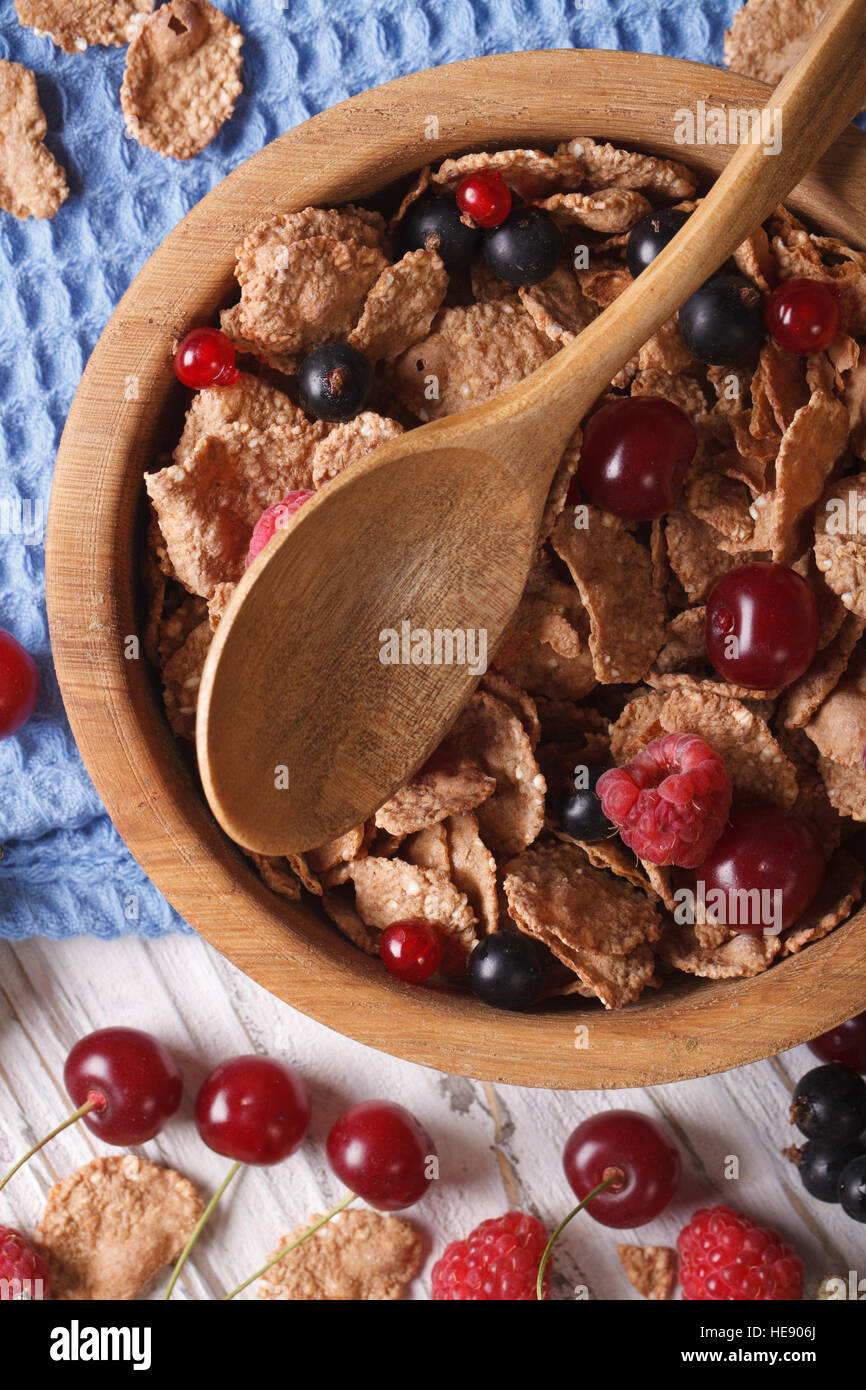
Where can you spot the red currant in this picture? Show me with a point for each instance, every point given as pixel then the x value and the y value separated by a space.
pixel 253 1109
pixel 635 455
pixel 845 1044
pixel 762 625
pixel 803 315
pixel 763 852
pixel 484 197
pixel 134 1078
pixel 275 519
pixel 206 357
pixel 383 1154
pixel 412 950
pixel 633 1149
pixel 19 684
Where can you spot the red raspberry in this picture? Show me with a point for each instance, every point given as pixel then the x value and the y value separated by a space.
pixel 21 1268
pixel 725 1256
pixel 498 1261
pixel 669 804
pixel 274 519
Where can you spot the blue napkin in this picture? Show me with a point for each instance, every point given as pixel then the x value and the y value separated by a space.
pixel 65 869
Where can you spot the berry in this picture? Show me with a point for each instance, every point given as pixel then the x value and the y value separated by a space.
pixel 135 1079
pixel 24 1275
pixel 634 1148
pixel 725 1256
pixel 820 1167
pixel 722 322
pixel 498 1262
pixel 650 236
pixel 253 1109
pixel 845 1044
pixel 19 684
pixel 412 950
pixel 852 1189
pixel 276 518
pixel 830 1104
pixel 206 357
pixel 484 197
pixel 435 224
pixel 581 814
pixel 802 315
pixel 635 455
pixel 775 859
pixel 383 1154
pixel 525 249
pixel 762 625
pixel 507 970
pixel 334 382
pixel 671 802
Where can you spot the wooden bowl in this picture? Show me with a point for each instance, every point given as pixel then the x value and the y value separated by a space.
pixel 128 406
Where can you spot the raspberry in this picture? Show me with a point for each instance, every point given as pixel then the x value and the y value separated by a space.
pixel 671 802
pixel 274 519
pixel 498 1261
pixel 21 1269
pixel 725 1256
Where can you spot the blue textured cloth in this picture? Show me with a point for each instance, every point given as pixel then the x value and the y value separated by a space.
pixel 65 869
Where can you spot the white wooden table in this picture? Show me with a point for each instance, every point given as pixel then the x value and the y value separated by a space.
pixel 499 1146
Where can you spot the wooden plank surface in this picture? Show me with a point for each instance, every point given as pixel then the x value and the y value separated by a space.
pixel 498 1145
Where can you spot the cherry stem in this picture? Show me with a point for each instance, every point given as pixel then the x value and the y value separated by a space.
pixel 610 1181
pixel 198 1228
pixel 92 1103
pixel 287 1249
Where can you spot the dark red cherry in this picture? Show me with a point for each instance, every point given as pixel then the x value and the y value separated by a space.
pixel 19 684
pixel 762 625
pixel 134 1077
pixel 253 1109
pixel 412 950
pixel 635 455
pixel 381 1152
pixel 845 1044
pixel 637 1152
pixel 769 866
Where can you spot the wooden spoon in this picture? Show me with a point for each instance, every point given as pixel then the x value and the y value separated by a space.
pixel 302 731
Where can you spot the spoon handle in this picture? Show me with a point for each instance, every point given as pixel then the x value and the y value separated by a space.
pixel 812 105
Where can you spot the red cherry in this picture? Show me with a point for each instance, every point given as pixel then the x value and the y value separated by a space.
pixel 206 357
pixel 253 1109
pixel 134 1077
pixel 762 625
pixel 802 315
pixel 275 519
pixel 845 1044
pixel 484 197
pixel 632 1146
pixel 635 455
pixel 412 950
pixel 19 684
pixel 765 850
pixel 382 1153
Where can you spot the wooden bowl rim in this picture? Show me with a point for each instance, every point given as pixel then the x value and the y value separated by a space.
pixel 692 1027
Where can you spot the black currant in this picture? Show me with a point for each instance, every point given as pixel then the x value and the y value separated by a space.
pixel 334 382
pixel 507 970
pixel 820 1167
pixel 852 1189
pixel 723 322
pixel 580 811
pixel 525 249
pixel 434 225
pixel 830 1104
pixel 650 236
